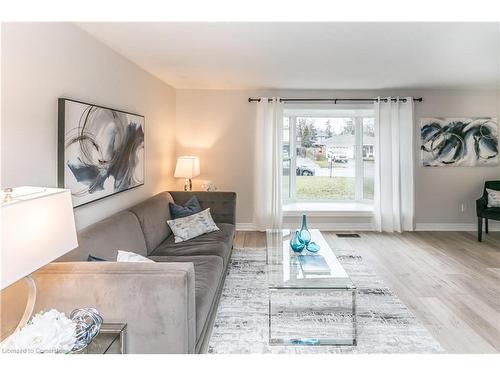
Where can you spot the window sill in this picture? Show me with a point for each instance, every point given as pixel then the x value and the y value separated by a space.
pixel 330 209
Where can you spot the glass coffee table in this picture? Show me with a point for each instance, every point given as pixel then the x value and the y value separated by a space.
pixel 312 300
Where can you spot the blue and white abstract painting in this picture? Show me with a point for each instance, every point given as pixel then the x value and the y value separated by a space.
pixel 459 142
pixel 103 150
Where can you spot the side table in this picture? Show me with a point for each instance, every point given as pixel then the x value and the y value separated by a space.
pixel 110 340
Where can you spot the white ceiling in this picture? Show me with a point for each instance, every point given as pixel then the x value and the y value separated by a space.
pixel 310 55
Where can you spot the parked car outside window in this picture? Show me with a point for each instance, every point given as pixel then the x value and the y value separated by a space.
pixel 303 170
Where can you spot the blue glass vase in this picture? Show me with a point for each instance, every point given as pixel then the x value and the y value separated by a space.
pixel 295 243
pixel 312 247
pixel 304 234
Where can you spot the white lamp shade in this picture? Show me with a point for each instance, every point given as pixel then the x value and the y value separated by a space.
pixel 37 228
pixel 187 167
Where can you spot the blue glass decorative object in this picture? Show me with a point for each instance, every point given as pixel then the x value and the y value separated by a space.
pixel 304 234
pixel 313 247
pixel 305 341
pixel 296 244
pixel 87 325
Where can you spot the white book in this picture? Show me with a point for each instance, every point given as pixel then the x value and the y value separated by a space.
pixel 314 264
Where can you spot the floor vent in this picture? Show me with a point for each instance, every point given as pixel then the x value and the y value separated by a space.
pixel 348 235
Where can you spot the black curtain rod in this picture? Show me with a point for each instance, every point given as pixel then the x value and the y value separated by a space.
pixel 334 100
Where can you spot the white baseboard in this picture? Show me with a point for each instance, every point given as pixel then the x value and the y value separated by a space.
pixel 245 227
pixel 336 227
pixel 455 227
pixel 494 226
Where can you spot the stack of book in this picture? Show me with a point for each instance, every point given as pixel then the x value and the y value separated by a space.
pixel 313 264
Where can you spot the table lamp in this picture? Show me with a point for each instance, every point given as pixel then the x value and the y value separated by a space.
pixel 187 167
pixel 38 227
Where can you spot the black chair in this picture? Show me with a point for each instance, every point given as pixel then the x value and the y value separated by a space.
pixel 485 212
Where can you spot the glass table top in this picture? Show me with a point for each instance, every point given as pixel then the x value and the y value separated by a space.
pixel 288 270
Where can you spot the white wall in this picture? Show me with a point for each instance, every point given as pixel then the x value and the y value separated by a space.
pixel 219 127
pixel 44 61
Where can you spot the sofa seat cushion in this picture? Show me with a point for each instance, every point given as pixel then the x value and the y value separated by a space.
pixel 208 272
pixel 215 243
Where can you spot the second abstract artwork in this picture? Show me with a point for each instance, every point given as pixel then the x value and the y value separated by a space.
pixel 460 142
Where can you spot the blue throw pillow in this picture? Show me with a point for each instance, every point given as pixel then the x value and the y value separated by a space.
pixel 95 259
pixel 192 206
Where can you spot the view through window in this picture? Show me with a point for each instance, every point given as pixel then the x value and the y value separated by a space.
pixel 331 153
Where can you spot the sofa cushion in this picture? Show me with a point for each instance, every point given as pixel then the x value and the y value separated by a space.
pixel 104 238
pixel 222 204
pixel 153 214
pixel 215 243
pixel 208 272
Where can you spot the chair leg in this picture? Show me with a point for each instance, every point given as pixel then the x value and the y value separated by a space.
pixel 479 228
pixel 486 225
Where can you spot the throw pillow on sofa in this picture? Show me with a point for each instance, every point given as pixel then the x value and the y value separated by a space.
pixel 493 198
pixel 127 256
pixel 92 258
pixel 192 226
pixel 192 206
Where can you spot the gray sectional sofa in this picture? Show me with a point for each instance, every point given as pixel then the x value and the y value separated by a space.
pixel 169 306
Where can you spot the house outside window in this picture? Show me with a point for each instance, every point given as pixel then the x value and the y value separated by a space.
pixel 328 154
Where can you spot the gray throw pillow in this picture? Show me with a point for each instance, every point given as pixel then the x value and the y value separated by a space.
pixel 92 258
pixel 192 206
pixel 192 226
pixel 493 198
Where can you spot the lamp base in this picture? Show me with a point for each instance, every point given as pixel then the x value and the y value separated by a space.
pixel 30 305
pixel 188 185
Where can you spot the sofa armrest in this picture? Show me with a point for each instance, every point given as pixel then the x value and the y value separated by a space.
pixel 156 300
pixel 222 204
pixel 481 204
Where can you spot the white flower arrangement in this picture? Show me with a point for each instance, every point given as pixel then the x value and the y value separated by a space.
pixel 47 332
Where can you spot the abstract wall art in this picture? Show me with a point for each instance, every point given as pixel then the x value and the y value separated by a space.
pixel 100 152
pixel 459 142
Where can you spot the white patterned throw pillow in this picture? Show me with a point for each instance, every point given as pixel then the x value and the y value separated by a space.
pixel 127 256
pixel 493 198
pixel 192 226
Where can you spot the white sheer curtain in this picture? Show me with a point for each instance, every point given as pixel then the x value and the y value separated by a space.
pixel 394 164
pixel 268 159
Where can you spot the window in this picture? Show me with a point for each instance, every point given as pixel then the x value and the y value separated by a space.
pixel 328 154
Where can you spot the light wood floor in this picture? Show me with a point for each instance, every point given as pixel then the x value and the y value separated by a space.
pixel 450 281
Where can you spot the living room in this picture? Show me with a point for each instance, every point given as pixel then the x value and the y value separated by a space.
pixel 239 188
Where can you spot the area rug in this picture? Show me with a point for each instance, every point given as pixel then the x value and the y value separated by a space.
pixel 384 323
